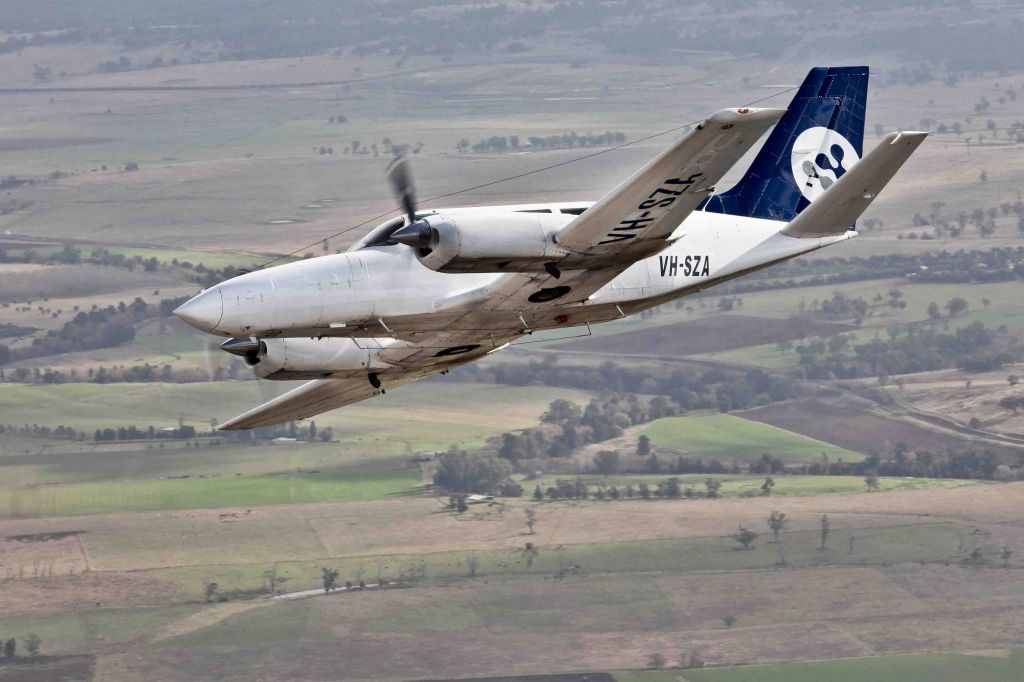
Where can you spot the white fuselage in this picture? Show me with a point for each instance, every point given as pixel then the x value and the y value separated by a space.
pixel 291 305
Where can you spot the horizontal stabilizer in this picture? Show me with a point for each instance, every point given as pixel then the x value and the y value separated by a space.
pixel 836 210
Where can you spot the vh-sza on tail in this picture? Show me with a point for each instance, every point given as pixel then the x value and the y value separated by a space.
pixel 438 288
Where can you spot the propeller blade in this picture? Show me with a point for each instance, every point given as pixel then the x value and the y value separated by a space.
pixel 399 174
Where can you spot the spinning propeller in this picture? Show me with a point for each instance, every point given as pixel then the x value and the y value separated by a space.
pixel 416 234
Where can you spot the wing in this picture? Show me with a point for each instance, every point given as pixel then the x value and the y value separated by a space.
pixel 637 218
pixel 634 219
pixel 312 398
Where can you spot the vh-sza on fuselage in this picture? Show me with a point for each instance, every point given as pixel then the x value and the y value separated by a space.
pixel 437 288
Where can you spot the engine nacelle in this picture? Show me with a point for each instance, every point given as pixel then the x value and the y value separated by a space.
pixel 511 242
pixel 286 359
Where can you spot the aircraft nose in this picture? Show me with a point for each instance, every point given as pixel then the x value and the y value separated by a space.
pixel 203 311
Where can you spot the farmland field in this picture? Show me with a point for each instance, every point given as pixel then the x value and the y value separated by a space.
pixel 854 428
pixel 97 498
pixel 995 666
pixel 407 415
pixel 729 437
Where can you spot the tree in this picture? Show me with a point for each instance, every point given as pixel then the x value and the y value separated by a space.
pixel 955 306
pixel 933 311
pixel 777 522
pixel 653 465
pixel 690 660
pixel 271 579
pixel 766 487
pixel 745 537
pixel 211 589
pixel 871 480
pixel 825 530
pixel 713 487
pixel 32 644
pixel 329 576
pixel 11 648
pixel 470 472
pixel 538 494
pixel 472 564
pixel 531 518
pixel 656 660
pixel 643 446
pixel 1013 379
pixel 729 620
pixel 1005 555
pixel 606 462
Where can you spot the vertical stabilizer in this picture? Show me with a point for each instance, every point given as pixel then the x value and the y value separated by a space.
pixel 820 138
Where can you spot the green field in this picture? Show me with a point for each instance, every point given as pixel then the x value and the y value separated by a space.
pixel 206 493
pixel 87 629
pixel 727 437
pixel 938 667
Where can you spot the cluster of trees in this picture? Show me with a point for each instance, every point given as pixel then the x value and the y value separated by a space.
pixel 182 431
pixel 679 389
pixel 145 373
pixel 974 348
pixel 669 489
pixel 72 255
pixel 566 426
pixel 97 328
pixel 982 220
pixel 33 643
pixel 388 146
pixel 43 431
pixel 459 471
pixel 686 660
pixel 570 140
pixel 123 63
pixel 901 460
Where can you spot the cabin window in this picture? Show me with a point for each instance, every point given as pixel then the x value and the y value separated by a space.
pixel 574 211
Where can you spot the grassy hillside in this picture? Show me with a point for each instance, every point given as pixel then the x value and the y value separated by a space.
pixel 733 438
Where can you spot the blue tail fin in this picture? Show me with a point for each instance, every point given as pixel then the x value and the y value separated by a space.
pixel 819 138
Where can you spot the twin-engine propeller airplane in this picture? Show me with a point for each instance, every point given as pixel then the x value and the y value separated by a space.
pixel 438 288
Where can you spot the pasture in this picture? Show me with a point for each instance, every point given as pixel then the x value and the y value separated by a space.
pixel 621 619
pixel 73 499
pixel 994 666
pixel 421 416
pixel 728 437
